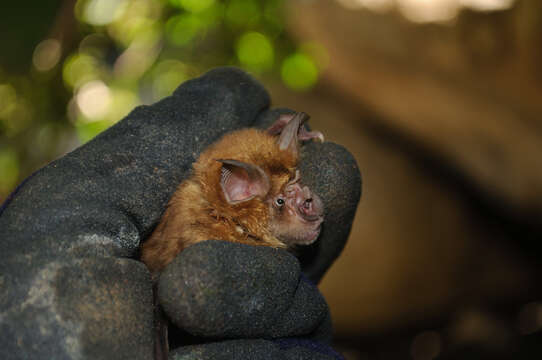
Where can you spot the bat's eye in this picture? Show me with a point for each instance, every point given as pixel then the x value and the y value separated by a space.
pixel 279 201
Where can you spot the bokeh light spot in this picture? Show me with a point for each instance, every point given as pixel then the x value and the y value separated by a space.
pixel 102 12
pixel 487 5
pixel 123 101
pixel 374 5
pixel 182 29
pixel 93 100
pixel 421 11
pixel 169 74
pixel 424 11
pixel 47 54
pixel 79 69
pixel 255 51
pixel 139 56
pixel 94 45
pixel 299 72
pixel 132 29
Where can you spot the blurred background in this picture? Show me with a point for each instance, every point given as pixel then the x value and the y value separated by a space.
pixel 438 100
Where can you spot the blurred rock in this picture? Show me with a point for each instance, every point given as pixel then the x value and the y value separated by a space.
pixel 467 94
pixel 420 246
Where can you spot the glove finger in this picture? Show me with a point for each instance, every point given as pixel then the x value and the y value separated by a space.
pixel 76 309
pixel 332 173
pixel 252 349
pixel 228 290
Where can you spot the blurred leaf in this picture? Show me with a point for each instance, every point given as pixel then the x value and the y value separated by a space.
pixel 15 111
pixel 9 168
pixel 47 54
pixel 86 131
pixel 124 101
pixel 117 54
pixel 167 76
pixel 79 69
pixel 194 6
pixel 182 29
pixel 255 51
pixel 100 12
pixel 243 13
pixel 8 100
pixel 299 72
pixel 273 17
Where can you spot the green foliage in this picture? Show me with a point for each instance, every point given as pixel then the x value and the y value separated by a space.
pixel 117 54
pixel 9 168
pixel 194 6
pixel 255 51
pixel 299 71
pixel 182 29
pixel 243 13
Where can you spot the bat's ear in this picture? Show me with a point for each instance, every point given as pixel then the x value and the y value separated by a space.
pixel 281 122
pixel 288 140
pixel 241 181
pixel 292 129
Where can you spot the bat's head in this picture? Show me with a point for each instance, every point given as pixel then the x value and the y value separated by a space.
pixel 259 185
pixel 296 213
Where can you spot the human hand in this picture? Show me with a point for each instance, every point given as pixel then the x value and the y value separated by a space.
pixel 71 284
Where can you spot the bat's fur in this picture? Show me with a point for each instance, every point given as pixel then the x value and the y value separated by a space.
pixel 198 210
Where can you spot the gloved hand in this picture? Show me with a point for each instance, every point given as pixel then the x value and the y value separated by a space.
pixel 72 287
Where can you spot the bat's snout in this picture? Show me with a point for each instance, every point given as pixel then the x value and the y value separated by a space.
pixel 305 214
pixel 309 205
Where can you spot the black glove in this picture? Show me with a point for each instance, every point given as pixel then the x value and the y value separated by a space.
pixel 71 284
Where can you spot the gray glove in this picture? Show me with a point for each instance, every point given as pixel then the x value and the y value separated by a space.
pixel 72 287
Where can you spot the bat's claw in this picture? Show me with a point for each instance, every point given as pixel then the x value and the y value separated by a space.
pixel 305 135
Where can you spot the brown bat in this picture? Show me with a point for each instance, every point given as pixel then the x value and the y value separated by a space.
pixel 245 188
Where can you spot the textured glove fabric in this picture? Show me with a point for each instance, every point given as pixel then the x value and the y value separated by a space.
pixel 225 290
pixel 255 349
pixel 71 284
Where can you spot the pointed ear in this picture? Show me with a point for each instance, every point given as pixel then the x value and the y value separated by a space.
pixel 279 124
pixel 292 130
pixel 302 134
pixel 288 139
pixel 241 181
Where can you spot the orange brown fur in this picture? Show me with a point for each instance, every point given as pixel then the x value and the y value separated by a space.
pixel 198 210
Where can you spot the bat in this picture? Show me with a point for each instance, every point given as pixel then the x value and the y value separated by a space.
pixel 244 188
